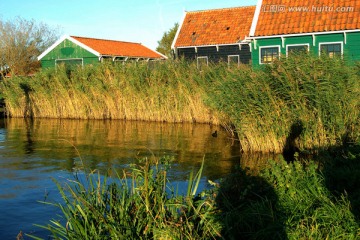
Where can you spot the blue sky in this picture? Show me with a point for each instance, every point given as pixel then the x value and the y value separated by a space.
pixel 142 21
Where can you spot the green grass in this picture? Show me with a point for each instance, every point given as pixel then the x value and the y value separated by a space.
pixel 289 201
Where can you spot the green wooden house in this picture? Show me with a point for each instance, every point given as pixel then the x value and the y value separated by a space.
pixel 71 50
pixel 329 27
pixel 215 35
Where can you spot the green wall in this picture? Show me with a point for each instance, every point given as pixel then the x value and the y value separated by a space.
pixel 352 46
pixel 351 49
pixel 68 50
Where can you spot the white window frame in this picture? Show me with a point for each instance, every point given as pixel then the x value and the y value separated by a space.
pixel 273 46
pixel 296 45
pixel 202 57
pixel 233 56
pixel 329 43
pixel 69 59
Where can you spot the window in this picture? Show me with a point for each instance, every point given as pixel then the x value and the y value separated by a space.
pixel 331 49
pixel 233 60
pixel 296 48
pixel 69 63
pixel 202 62
pixel 269 54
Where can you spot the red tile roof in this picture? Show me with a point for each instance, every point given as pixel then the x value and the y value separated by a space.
pixel 279 17
pixel 118 48
pixel 213 27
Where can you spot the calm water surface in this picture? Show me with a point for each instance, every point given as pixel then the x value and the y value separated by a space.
pixel 34 152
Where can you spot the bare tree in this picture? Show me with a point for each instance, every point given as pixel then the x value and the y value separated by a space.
pixel 21 41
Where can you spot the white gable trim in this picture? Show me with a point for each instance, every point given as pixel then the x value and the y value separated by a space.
pixel 178 31
pixel 162 55
pixel 52 47
pixel 255 18
pixel 84 46
pixel 63 38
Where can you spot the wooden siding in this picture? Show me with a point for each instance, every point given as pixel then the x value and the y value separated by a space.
pixel 68 50
pixel 351 46
pixel 215 54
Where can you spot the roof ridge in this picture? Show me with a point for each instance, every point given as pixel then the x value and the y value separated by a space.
pixel 221 9
pixel 102 39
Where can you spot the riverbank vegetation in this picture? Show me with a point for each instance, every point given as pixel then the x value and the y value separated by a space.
pixel 298 104
pixel 131 92
pixel 285 201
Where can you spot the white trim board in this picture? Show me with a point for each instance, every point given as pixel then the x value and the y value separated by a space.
pixel 255 18
pixel 178 30
pixel 63 38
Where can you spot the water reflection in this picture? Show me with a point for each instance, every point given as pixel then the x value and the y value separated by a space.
pixel 63 144
pixel 29 143
pixel 32 152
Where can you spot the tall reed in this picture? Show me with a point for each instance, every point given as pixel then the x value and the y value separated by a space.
pixel 140 204
pixel 296 104
pixel 163 92
pixel 302 102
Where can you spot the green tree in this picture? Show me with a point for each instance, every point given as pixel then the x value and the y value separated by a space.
pixel 21 41
pixel 166 41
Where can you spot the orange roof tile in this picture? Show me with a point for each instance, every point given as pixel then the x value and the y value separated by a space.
pixel 278 17
pixel 118 48
pixel 213 27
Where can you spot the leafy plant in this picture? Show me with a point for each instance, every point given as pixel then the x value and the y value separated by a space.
pixel 140 204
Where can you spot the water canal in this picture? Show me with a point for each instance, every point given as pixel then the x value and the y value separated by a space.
pixel 34 152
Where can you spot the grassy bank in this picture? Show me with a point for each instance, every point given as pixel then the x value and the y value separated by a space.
pixel 285 201
pixel 299 104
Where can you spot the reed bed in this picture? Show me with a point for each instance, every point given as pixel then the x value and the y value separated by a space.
pixel 158 92
pixel 302 103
